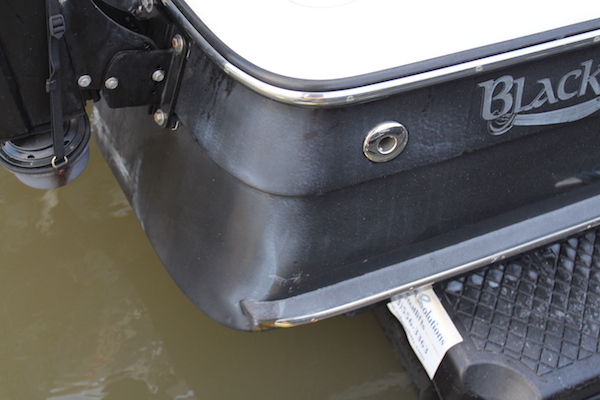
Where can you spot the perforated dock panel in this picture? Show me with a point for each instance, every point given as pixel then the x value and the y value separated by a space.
pixel 531 327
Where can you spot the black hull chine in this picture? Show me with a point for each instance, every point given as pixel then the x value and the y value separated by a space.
pixel 269 214
pixel 227 243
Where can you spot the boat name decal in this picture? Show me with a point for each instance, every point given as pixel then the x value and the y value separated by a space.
pixel 503 105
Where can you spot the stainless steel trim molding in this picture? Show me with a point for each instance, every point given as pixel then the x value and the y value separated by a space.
pixel 362 94
pixel 442 264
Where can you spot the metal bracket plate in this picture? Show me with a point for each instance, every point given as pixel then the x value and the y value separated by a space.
pixel 139 77
pixel 133 61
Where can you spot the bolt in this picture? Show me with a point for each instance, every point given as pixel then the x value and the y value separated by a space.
pixel 160 117
pixel 84 81
pixel 111 83
pixel 177 43
pixel 158 75
pixel 148 5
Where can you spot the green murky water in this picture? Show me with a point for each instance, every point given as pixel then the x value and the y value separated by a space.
pixel 88 312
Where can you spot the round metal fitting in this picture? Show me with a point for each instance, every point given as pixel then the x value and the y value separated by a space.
pixel 385 142
pixel 160 117
pixel 177 43
pixel 64 161
pixel 158 75
pixel 111 83
pixel 84 81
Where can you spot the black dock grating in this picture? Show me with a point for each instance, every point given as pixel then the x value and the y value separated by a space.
pixel 530 326
pixel 541 308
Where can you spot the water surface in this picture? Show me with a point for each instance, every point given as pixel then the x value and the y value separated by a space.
pixel 88 312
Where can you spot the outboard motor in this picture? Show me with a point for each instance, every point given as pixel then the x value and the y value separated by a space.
pixel 45 131
pixel 56 56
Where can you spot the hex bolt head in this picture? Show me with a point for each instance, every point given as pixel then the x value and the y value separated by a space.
pixel 158 75
pixel 177 43
pixel 147 5
pixel 84 81
pixel 160 117
pixel 111 83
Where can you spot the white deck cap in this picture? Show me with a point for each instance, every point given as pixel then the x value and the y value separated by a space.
pixel 335 39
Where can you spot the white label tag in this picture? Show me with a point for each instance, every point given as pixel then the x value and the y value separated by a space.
pixel 429 329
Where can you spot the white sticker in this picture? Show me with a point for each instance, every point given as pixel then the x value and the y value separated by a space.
pixel 429 329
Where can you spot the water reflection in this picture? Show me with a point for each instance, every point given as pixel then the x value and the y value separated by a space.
pixel 88 312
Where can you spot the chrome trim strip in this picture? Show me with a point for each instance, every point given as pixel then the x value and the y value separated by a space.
pixel 387 282
pixel 336 98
